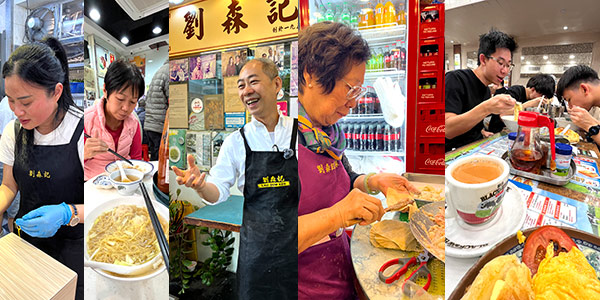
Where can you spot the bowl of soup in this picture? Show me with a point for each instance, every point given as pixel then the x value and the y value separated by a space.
pixel 126 186
pixel 119 231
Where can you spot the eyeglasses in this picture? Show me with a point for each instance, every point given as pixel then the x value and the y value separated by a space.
pixel 355 92
pixel 503 63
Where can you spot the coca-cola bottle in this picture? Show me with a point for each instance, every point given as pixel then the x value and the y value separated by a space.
pixel 376 103
pixel 371 137
pixel 387 54
pixel 348 135
pixel 356 136
pixel 363 137
pixel 387 138
pixel 379 137
pixel 402 56
pixel 399 139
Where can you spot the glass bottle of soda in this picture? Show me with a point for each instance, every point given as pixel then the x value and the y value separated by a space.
pixel 398 137
pixel 363 137
pixel 387 136
pixel 371 137
pixel 402 56
pixel 379 137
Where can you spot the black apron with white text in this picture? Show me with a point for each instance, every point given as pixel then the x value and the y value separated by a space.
pixel 48 175
pixel 268 256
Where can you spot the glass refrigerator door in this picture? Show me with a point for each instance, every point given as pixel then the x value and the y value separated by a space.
pixel 376 128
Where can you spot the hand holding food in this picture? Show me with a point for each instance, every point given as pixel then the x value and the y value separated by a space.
pixel 192 177
pixel 45 221
pixel 357 207
pixel 582 118
pixel 517 109
pixel 501 104
pixel 94 146
pixel 384 181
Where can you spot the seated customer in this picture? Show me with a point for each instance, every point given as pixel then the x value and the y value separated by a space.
pixel 580 87
pixel 111 122
pixel 468 99
pixel 530 95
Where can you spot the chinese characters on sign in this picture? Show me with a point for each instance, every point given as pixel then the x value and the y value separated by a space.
pixel 234 18
pixel 273 181
pixel 279 12
pixel 194 22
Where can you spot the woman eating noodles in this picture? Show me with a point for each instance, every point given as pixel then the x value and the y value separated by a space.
pixel 42 153
pixel 331 68
pixel 111 122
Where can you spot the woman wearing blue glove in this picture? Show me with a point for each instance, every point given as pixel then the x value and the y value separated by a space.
pixel 42 153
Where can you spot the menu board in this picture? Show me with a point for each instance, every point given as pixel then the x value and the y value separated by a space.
pixel 178 105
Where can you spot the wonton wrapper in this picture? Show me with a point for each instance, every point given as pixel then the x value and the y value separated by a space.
pixel 393 234
pixel 398 200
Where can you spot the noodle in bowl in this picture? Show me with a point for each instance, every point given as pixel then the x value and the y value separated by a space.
pixel 119 231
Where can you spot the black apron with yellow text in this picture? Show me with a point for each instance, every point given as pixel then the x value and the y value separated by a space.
pixel 268 257
pixel 48 175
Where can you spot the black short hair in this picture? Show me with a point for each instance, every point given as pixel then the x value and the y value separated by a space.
pixel 489 42
pixel 121 75
pixel 327 51
pixel 574 76
pixel 543 84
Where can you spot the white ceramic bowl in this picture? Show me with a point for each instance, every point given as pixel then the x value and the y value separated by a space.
pixel 91 217
pixel 126 188
pixel 510 123
pixel 140 165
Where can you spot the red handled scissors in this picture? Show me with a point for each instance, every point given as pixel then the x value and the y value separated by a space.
pixel 406 263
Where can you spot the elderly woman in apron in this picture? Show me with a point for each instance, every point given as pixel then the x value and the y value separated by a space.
pixel 332 196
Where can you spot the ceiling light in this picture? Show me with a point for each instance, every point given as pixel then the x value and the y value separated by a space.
pixel 149 60
pixel 528 62
pixel 566 27
pixel 522 57
pixel 545 57
pixel 157 30
pixel 452 42
pixel 125 40
pixel 95 14
pixel 176 1
pixel 571 56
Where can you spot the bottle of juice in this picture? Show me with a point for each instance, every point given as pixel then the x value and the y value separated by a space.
pixel 389 14
pixel 401 15
pixel 367 18
pixel 379 14
pixel 380 59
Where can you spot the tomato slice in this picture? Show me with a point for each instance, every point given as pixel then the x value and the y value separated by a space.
pixel 535 245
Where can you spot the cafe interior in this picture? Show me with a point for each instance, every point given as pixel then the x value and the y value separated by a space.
pixel 497 223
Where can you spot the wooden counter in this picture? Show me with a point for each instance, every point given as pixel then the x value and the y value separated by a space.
pixel 28 273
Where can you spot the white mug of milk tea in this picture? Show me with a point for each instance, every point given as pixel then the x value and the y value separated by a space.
pixel 475 187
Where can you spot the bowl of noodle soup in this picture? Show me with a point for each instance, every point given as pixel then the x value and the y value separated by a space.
pixel 119 231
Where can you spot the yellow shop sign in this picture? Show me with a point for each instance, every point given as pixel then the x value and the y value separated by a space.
pixel 214 24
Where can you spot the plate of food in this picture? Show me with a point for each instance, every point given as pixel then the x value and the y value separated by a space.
pixel 119 231
pixel 140 165
pixel 557 261
pixel 571 135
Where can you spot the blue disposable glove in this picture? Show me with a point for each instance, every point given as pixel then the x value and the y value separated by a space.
pixel 45 221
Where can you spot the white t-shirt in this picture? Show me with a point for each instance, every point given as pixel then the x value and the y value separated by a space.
pixel 231 163
pixel 6 115
pixel 59 136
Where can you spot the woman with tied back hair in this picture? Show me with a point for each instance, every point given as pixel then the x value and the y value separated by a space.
pixel 111 122
pixel 332 63
pixel 42 152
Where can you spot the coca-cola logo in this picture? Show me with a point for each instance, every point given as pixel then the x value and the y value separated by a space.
pixel 435 129
pixel 434 162
pixel 427 96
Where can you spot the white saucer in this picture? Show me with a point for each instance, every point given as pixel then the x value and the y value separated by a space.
pixel 464 240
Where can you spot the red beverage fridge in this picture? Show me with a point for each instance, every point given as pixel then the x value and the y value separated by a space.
pixel 404 76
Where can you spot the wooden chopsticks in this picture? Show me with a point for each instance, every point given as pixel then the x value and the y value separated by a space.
pixel 160 234
pixel 112 151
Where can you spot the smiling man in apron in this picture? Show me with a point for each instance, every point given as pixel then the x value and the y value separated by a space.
pixel 262 157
